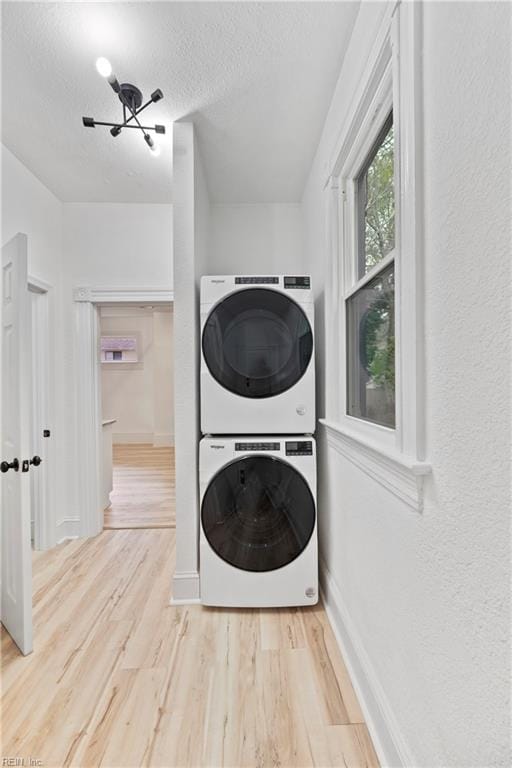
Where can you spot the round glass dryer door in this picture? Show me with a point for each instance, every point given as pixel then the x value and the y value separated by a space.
pixel 257 343
pixel 258 513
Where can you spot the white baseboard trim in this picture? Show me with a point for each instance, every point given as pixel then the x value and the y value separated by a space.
pixel 387 738
pixel 121 438
pixel 196 601
pixel 163 440
pixel 185 588
pixel 68 528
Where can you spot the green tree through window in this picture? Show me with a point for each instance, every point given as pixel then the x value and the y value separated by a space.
pixel 371 308
pixel 378 203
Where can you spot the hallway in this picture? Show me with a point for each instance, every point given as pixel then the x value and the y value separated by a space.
pixel 119 677
pixel 255 351
pixel 144 488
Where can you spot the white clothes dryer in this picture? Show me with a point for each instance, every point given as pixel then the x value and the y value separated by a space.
pixel 257 355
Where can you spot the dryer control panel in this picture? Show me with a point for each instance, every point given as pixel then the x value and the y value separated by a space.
pixel 256 280
pixel 299 448
pixel 257 447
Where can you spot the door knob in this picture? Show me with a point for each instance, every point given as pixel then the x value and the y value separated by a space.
pixel 5 466
pixel 36 461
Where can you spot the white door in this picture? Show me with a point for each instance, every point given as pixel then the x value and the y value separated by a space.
pixel 15 479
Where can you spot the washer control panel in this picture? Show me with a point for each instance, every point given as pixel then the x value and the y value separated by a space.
pixel 256 280
pixel 257 447
pixel 300 281
pixel 299 448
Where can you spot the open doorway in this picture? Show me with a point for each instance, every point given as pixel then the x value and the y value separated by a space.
pixel 137 415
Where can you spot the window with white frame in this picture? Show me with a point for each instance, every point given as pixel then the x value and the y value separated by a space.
pixel 375 412
pixel 366 236
pixel 370 300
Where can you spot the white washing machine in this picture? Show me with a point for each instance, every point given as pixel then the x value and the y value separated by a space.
pixel 258 529
pixel 257 359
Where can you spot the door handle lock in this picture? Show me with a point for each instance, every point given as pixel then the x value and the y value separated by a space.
pixel 5 466
pixel 26 463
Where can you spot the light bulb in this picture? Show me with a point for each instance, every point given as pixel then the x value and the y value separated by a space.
pixel 155 149
pixel 104 66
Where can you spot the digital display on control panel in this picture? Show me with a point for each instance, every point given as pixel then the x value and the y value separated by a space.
pixel 300 281
pixel 299 448
pixel 257 446
pixel 256 280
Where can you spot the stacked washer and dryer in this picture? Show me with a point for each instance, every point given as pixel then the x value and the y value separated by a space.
pixel 257 459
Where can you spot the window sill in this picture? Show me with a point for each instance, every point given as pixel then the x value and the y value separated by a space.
pixel 399 474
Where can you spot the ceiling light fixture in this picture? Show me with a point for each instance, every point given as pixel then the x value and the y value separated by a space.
pixel 131 99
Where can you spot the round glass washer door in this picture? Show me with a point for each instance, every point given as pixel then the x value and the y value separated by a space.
pixel 258 513
pixel 257 343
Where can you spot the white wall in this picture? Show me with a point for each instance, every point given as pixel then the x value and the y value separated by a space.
pixel 29 207
pixel 423 599
pixel 140 396
pixel 250 238
pixel 163 378
pixel 191 248
pixel 119 244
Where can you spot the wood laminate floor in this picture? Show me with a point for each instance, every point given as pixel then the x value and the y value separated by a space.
pixel 144 488
pixel 121 678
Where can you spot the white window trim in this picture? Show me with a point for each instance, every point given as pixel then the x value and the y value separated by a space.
pixel 392 79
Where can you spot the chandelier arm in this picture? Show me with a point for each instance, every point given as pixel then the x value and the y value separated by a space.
pixel 134 115
pixel 126 120
pixel 117 125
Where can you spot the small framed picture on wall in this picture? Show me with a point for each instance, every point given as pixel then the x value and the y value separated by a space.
pixel 120 349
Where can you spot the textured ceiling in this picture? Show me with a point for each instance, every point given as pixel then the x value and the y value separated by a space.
pixel 255 78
